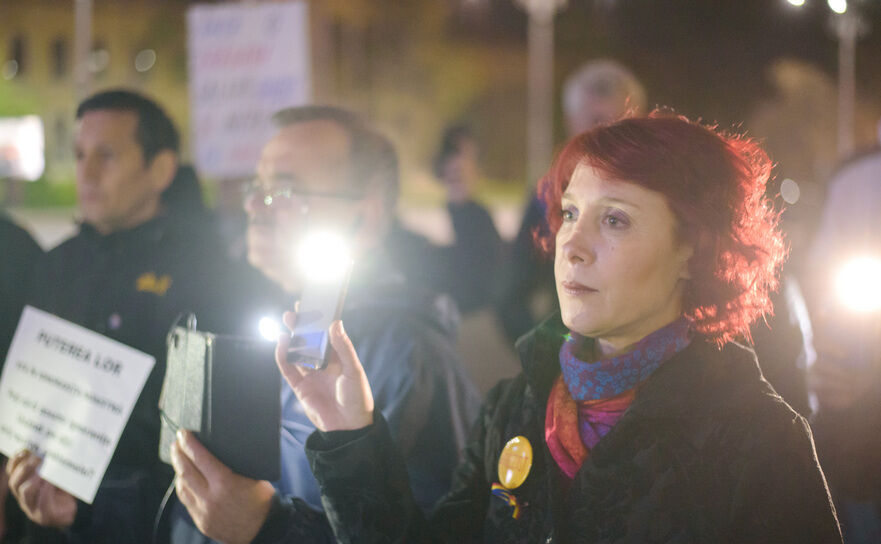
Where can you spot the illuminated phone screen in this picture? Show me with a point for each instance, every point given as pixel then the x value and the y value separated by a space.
pixel 311 350
pixel 320 305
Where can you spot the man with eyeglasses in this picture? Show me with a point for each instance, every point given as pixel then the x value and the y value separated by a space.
pixel 325 166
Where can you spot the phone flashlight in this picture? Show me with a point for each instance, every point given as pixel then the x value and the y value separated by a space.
pixel 268 328
pixel 325 261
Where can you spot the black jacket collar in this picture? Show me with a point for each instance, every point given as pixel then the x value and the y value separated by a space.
pixel 153 230
pixel 539 351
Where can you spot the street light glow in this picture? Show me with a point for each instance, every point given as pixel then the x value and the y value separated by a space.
pixel 859 284
pixel 797 3
pixel 838 6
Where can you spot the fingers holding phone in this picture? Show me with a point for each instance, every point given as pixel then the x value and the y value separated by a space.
pixel 337 396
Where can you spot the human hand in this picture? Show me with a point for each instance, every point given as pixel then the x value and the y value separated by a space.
pixel 337 397
pixel 42 502
pixel 224 505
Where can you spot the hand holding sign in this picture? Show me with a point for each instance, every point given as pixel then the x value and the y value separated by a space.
pixel 41 501
pixel 65 393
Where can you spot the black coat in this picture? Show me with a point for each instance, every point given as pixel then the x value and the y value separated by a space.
pixel 707 452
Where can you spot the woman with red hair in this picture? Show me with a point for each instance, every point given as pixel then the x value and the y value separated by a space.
pixel 638 417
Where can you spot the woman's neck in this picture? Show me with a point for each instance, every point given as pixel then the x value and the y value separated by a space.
pixel 594 349
pixel 608 347
pixel 604 349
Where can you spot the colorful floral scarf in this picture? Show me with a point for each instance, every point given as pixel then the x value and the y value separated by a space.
pixel 589 398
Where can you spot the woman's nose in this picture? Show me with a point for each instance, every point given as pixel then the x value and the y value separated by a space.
pixel 578 244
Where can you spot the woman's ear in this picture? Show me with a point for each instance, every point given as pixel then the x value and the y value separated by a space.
pixel 703 243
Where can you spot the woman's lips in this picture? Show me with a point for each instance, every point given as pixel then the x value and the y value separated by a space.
pixel 575 288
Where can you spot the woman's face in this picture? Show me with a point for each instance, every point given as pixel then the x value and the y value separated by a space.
pixel 619 266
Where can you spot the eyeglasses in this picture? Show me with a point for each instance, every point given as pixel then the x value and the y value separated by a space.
pixel 279 193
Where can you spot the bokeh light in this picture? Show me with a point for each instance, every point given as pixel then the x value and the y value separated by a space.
pixel 789 191
pixel 10 69
pixel 145 59
pixel 269 328
pixel 859 284
pixel 838 6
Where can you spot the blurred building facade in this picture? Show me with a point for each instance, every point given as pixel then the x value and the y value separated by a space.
pixel 406 66
pixel 413 67
pixel 134 44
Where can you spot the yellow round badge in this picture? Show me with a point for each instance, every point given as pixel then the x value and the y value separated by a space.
pixel 515 462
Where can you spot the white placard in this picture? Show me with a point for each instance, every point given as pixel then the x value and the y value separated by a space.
pixel 67 392
pixel 246 61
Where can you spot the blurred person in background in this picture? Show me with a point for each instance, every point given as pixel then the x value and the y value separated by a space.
pixel 846 379
pixel 130 271
pixel 20 253
pixel 465 269
pixel 639 416
pixel 326 166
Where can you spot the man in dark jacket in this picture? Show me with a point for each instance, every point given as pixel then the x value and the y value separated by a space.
pixel 128 274
pixel 324 166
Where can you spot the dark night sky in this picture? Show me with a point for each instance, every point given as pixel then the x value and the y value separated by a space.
pixel 706 58
pixel 710 57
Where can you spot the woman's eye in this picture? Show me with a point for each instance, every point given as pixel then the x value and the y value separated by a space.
pixel 616 220
pixel 568 214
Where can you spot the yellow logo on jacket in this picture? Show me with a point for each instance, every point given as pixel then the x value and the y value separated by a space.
pixel 148 282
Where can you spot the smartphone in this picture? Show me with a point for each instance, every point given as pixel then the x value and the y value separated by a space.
pixel 321 303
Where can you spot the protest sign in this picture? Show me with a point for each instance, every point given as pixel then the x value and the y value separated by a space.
pixel 66 393
pixel 246 61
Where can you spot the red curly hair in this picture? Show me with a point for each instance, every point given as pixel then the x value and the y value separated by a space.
pixel 715 185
